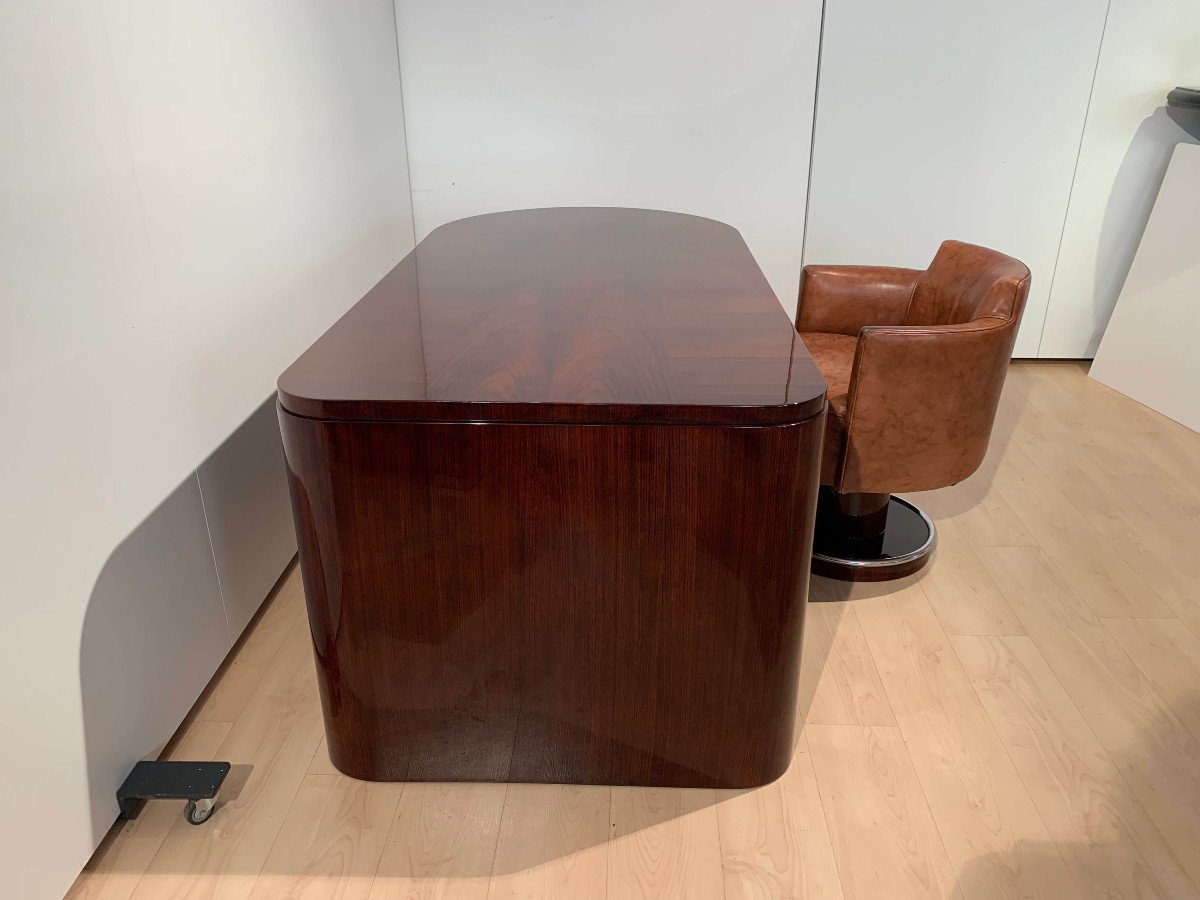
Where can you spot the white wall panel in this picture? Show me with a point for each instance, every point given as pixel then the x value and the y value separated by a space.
pixel 268 141
pixel 86 385
pixel 945 119
pixel 190 193
pixel 696 106
pixel 1150 46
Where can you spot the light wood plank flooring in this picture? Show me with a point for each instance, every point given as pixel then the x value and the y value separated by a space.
pixel 1021 720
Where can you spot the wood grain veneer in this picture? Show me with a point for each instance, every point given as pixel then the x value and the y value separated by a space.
pixel 556 603
pixel 565 315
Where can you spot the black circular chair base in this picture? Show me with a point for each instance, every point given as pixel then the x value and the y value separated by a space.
pixel 904 546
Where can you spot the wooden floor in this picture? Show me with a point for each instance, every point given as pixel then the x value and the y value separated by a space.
pixel 1021 720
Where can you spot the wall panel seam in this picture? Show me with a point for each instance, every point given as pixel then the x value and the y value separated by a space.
pixel 1074 174
pixel 212 551
pixel 412 207
pixel 812 152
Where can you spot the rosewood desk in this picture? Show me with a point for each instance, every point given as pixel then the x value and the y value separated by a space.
pixel 554 481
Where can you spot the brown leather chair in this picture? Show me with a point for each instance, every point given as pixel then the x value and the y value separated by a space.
pixel 914 361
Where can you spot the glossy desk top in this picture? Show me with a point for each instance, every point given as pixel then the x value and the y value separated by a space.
pixel 565 315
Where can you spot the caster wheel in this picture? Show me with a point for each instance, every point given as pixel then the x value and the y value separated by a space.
pixel 197 812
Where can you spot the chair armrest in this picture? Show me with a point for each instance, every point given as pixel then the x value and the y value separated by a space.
pixel 921 404
pixel 844 299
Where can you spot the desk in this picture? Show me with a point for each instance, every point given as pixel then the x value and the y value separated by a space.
pixel 553 481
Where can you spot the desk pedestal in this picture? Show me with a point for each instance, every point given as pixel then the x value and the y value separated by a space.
pixel 600 604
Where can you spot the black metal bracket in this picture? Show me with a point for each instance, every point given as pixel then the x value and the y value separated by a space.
pixel 160 779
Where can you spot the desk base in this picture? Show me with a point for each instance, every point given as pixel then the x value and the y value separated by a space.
pixel 591 604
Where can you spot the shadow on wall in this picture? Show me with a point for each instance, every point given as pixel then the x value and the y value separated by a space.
pixel 1134 191
pixel 173 597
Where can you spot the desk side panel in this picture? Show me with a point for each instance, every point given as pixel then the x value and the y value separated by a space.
pixel 556 603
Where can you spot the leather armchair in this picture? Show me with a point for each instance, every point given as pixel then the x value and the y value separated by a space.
pixel 915 362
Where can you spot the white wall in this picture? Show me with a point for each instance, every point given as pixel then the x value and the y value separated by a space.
pixel 192 191
pixel 1149 47
pixel 697 106
pixel 945 119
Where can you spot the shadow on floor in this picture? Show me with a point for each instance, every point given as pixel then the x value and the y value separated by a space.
pixel 1128 855
pixel 590 816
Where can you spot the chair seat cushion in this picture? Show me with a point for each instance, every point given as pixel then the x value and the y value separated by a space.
pixel 834 356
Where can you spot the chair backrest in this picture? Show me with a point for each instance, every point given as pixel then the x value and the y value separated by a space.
pixel 964 283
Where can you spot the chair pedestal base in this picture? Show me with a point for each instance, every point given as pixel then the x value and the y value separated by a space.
pixel 870 537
